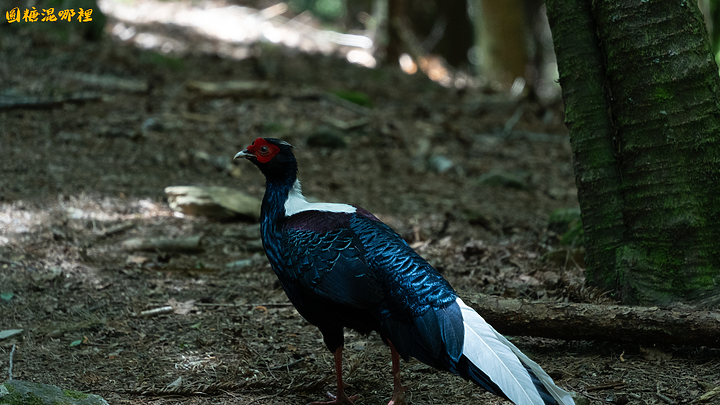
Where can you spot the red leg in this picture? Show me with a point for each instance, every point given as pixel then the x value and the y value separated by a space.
pixel 340 398
pixel 398 397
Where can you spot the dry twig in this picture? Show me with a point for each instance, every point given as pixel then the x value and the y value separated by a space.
pixel 12 352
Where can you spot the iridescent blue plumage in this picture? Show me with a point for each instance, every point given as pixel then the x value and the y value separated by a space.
pixel 343 268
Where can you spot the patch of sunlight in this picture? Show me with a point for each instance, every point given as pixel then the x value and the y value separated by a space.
pixel 196 362
pixel 361 57
pixel 407 64
pixel 17 219
pixel 234 26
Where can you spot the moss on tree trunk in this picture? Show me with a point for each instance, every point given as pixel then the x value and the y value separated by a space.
pixel 651 69
pixel 592 136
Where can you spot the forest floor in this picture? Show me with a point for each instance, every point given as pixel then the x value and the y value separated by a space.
pixel 71 172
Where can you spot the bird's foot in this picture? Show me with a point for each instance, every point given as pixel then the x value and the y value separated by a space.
pixel 338 400
pixel 398 397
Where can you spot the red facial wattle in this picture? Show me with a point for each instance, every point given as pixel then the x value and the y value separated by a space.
pixel 263 150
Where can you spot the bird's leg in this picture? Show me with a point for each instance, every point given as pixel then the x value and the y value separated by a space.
pixel 398 397
pixel 340 398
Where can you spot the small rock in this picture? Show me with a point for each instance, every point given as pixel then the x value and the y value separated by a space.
pixel 502 179
pixel 136 260
pixel 325 137
pixel 175 384
pixel 219 203
pixel 239 264
pixel 151 124
pixel 441 164
pixel 4 334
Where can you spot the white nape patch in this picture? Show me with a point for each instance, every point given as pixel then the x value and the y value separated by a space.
pixel 296 202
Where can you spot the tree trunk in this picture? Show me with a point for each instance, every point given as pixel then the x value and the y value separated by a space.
pixel 457 38
pixel 656 165
pixel 500 33
pixel 396 9
pixel 592 136
pixel 618 323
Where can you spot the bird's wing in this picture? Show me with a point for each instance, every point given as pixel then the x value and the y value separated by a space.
pixel 323 255
pixel 418 316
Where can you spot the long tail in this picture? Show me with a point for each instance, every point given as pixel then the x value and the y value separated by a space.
pixel 495 363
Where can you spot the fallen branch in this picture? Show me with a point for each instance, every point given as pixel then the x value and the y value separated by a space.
pixel 183 245
pixel 12 352
pixel 614 384
pixel 598 322
pixel 231 88
pixel 117 228
pixel 202 389
pixel 156 311
pixel 706 397
pixel 32 102
pixel 109 82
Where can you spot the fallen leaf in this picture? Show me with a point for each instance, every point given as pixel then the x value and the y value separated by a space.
pixel 136 260
pixel 654 354
pixel 4 334
pixel 181 308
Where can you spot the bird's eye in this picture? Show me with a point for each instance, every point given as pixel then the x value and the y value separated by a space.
pixel 264 150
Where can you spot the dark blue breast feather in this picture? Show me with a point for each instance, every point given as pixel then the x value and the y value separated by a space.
pixel 356 261
pixel 322 254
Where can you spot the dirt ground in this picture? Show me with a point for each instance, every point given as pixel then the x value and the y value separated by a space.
pixel 71 172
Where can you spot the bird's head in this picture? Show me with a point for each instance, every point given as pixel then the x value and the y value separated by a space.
pixel 274 158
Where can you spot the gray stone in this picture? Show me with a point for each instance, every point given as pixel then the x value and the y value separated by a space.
pixel 16 392
pixel 325 137
pixel 220 203
pixel 441 164
pixel 502 179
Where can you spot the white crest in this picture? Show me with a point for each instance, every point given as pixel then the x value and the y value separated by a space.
pixel 296 202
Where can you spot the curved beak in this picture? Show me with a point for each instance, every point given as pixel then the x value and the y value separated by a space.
pixel 244 153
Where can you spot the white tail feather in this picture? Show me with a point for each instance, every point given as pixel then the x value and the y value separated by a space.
pixel 495 359
pixel 498 358
pixel 561 396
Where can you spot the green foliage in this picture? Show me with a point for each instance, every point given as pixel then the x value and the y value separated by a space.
pixel 163 61
pixel 356 97
pixel 7 296
pixel 327 10
pixel 17 392
pixel 75 394
pixel 567 222
pixel 75 342
pixel 662 94
pixel 271 127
